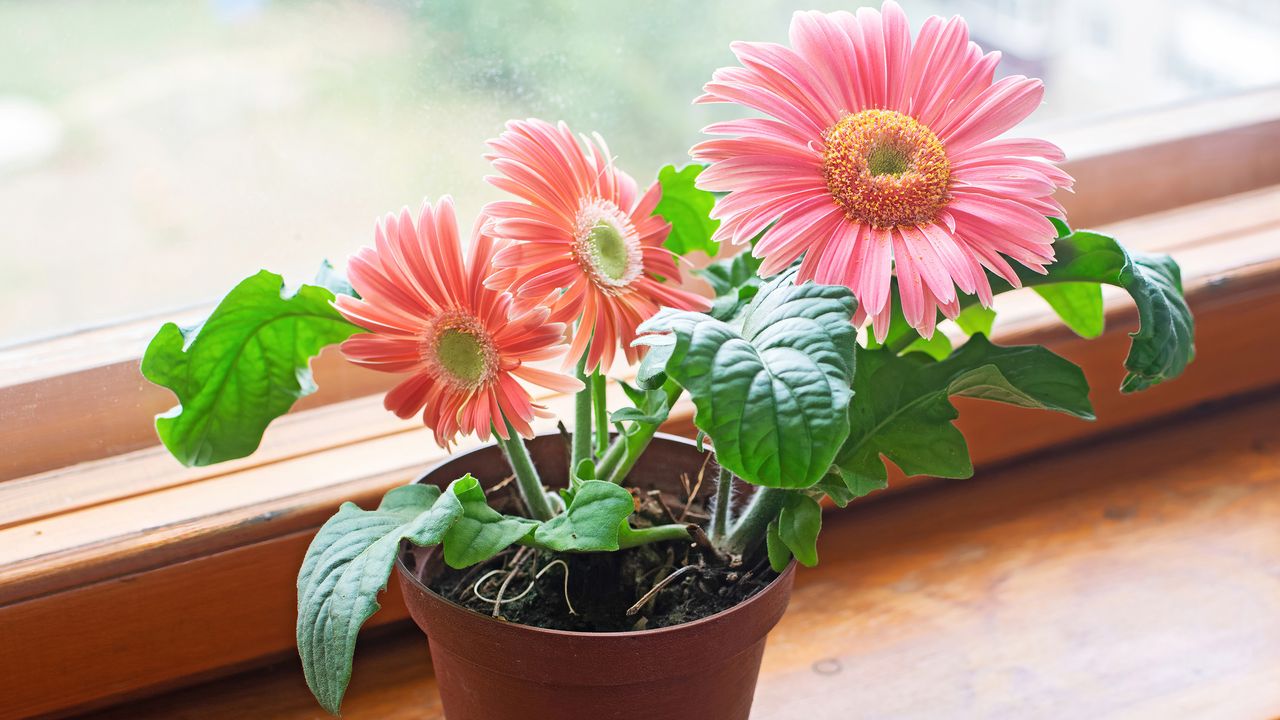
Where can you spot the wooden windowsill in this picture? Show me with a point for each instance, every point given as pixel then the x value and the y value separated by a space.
pixel 1131 577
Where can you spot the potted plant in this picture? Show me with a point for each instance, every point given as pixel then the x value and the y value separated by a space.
pixel 608 569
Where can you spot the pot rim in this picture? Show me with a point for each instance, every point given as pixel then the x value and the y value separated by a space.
pixel 406 574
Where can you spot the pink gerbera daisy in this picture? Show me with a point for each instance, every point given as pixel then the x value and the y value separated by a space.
pixel 586 235
pixel 430 314
pixel 881 156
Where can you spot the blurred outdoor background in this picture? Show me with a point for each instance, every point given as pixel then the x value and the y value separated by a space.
pixel 154 153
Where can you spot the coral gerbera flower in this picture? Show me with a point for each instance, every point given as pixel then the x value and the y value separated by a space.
pixel 586 231
pixel 429 313
pixel 880 155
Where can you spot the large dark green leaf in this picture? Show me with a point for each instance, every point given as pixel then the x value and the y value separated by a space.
pixel 772 392
pixel 1165 340
pixel 688 209
pixel 243 367
pixel 904 413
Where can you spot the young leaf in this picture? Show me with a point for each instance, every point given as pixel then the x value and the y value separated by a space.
pixel 479 532
pixel 243 367
pixel 772 395
pixel 1078 304
pixel 904 413
pixel 1165 340
pixel 779 553
pixel 735 281
pixel 592 521
pixel 346 566
pixel 688 209
pixel 798 527
pixel 976 319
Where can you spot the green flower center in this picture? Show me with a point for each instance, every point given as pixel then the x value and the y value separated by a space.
pixel 461 354
pixel 887 160
pixel 609 250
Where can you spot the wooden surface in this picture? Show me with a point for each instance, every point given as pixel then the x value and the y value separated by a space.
pixel 1133 578
pixel 139 566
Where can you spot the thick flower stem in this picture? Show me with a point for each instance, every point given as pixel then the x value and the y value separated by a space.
pixel 750 528
pixel 535 496
pixel 724 500
pixel 582 418
pixel 601 412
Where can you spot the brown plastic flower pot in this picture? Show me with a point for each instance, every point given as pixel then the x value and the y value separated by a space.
pixel 488 669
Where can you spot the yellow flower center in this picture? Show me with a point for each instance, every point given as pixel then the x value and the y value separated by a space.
pixel 458 350
pixel 886 169
pixel 606 245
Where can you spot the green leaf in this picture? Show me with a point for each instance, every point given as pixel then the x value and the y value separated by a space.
pixel 688 209
pixel 976 319
pixel 779 553
pixel 1078 304
pixel 479 532
pixel 771 393
pixel 346 566
pixel 937 347
pixel 736 281
pixel 1164 343
pixel 904 413
pixel 798 526
pixel 243 367
pixel 844 487
pixel 652 373
pixel 592 522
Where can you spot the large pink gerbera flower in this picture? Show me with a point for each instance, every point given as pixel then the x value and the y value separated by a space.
pixel 586 231
pixel 430 314
pixel 880 155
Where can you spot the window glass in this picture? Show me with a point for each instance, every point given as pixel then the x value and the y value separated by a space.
pixel 151 154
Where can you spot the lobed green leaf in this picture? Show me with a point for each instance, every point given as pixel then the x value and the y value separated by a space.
pixel 243 367
pixel 904 412
pixel 688 209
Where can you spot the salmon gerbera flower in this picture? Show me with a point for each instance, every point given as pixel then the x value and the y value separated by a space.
pixel 585 236
pixel 429 313
pixel 879 156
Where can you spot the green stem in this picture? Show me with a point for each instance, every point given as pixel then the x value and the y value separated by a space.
pixel 617 450
pixel 750 529
pixel 658 533
pixel 601 412
pixel 535 497
pixel 581 418
pixel 724 499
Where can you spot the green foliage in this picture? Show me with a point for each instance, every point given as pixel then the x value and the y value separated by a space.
pixel 904 413
pixel 1165 340
pixel 736 281
pixel 798 526
pixel 1078 304
pixel 243 367
pixel 592 522
pixel 688 209
pixel 772 392
pixel 479 532
pixel 346 566
pixel 779 553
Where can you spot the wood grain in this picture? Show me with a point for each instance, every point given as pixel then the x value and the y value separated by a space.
pixel 1134 578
